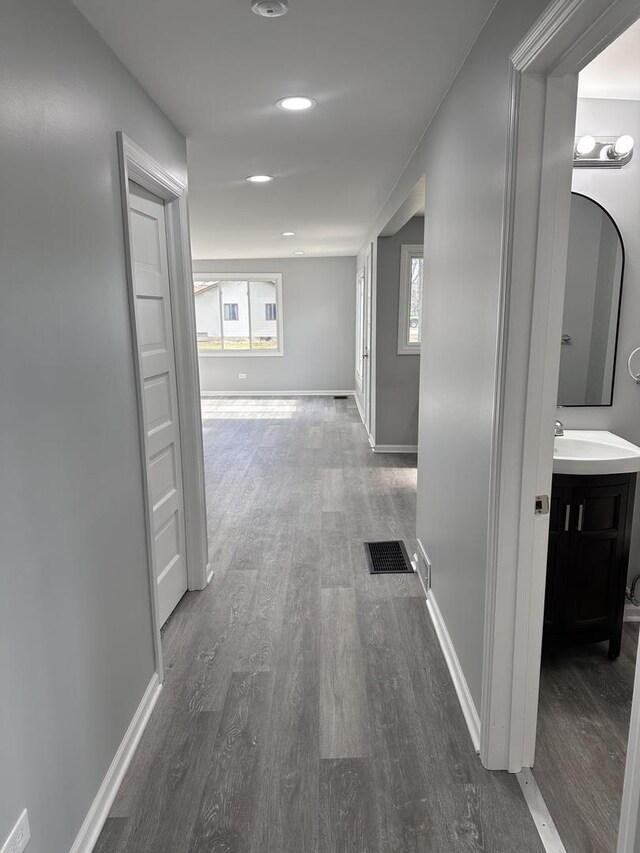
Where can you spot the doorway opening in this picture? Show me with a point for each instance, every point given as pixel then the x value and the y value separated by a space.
pixel 543 156
pixel 589 650
pixel 388 329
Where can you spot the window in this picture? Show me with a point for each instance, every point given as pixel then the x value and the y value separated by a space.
pixel 230 310
pixel 410 299
pixel 238 314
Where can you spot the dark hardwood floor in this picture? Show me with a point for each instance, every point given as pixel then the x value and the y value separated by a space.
pixel 307 707
pixel 583 726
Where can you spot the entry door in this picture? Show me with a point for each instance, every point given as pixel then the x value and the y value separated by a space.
pixel 154 330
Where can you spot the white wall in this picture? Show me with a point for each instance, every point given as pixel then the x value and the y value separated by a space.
pixel 397 376
pixel 76 648
pixel 319 330
pixel 618 190
pixel 463 221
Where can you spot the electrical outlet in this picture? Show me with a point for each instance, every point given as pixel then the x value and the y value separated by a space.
pixel 19 837
pixel 242 376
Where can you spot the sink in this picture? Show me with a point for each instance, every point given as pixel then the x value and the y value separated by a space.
pixel 584 451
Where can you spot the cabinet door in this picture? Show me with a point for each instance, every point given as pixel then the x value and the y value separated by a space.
pixel 560 519
pixel 598 559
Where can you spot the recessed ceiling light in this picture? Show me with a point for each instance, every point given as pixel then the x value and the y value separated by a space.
pixel 270 8
pixel 260 179
pixel 288 234
pixel 297 103
pixel 298 253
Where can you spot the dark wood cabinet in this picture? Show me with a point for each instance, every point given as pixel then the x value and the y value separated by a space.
pixel 588 556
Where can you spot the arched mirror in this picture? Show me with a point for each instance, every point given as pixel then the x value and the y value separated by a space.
pixel 595 266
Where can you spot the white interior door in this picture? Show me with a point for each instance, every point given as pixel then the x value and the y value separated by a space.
pixel 360 334
pixel 366 343
pixel 154 331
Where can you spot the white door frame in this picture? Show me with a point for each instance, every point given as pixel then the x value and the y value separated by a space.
pixel 542 106
pixel 370 261
pixel 366 401
pixel 137 166
pixel 360 320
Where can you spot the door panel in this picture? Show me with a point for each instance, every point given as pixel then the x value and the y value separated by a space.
pixel 159 396
pixel 598 559
pixel 360 333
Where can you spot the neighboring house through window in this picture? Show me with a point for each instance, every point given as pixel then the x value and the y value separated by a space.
pixel 410 299
pixel 238 314
pixel 230 310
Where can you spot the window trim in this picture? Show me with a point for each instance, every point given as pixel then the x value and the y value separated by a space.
pixel 274 277
pixel 408 251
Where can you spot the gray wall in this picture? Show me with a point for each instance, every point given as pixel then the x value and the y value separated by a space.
pixel 75 621
pixel 319 296
pixel 618 190
pixel 397 376
pixel 463 222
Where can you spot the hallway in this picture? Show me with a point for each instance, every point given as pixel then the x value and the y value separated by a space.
pixel 307 707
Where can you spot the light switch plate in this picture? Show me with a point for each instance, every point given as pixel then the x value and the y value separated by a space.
pixel 242 376
pixel 19 837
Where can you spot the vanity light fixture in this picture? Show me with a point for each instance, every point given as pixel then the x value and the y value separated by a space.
pixel 260 179
pixel 623 145
pixel 585 145
pixel 612 152
pixel 288 234
pixel 299 252
pixel 296 103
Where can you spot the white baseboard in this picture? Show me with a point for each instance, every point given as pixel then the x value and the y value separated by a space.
pixel 631 613
pixel 394 448
pixel 359 407
pixel 371 441
pixel 416 569
pixel 99 811
pixel 423 557
pixel 278 394
pixel 457 676
pixel 423 553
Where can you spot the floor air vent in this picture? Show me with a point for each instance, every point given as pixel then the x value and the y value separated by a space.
pixel 387 557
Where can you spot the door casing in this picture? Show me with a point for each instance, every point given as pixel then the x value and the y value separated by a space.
pixel 138 166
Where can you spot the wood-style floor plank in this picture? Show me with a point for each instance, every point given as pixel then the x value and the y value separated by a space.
pixel 347 806
pixel 231 788
pixel 306 706
pixel 583 726
pixel 112 835
pixel 167 805
pixel 344 726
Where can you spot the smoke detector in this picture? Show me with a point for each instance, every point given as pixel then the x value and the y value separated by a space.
pixel 270 8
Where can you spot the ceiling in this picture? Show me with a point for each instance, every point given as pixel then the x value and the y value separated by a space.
pixel 378 69
pixel 614 73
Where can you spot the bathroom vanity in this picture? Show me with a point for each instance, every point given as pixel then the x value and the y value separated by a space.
pixel 588 557
pixel 590 521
